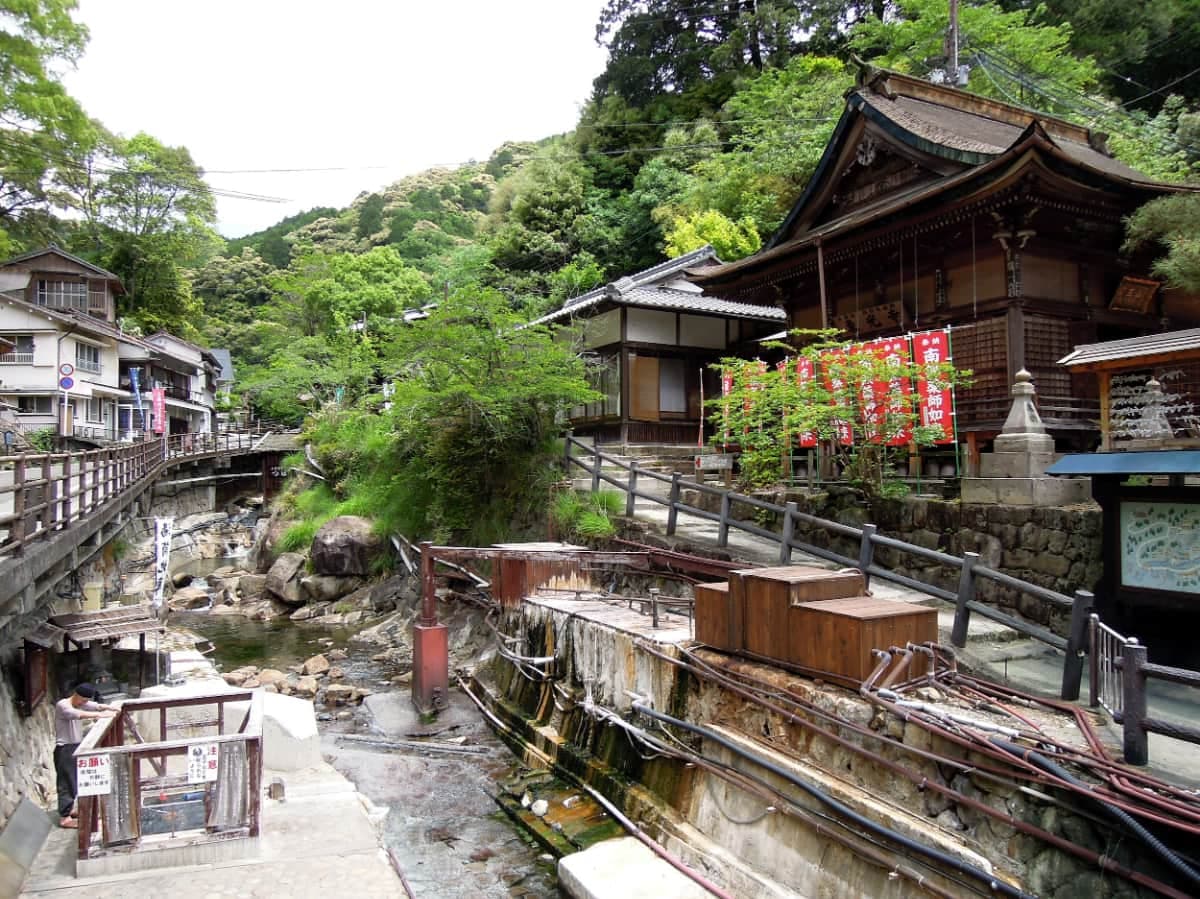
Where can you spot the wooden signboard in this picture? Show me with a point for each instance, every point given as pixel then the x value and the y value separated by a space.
pixel 1134 295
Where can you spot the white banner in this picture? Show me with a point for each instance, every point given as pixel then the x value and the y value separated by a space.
pixel 92 775
pixel 162 556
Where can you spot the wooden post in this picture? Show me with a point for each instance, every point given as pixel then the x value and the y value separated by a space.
pixel 18 529
pixel 789 530
pixel 821 285
pixel 254 783
pixel 1081 610
pixel 966 594
pixel 141 661
pixel 595 468
pixel 48 491
pixel 866 552
pixel 85 808
pixel 1137 741
pixel 631 490
pixel 673 507
pixel 1104 378
pixel 723 524
pixel 567 452
pixel 66 495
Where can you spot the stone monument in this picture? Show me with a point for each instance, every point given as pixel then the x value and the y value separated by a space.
pixel 1014 473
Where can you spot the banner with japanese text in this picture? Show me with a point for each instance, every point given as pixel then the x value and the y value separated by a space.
pixel 163 528
pixel 158 405
pixel 935 397
pixel 886 392
pixel 726 390
pixel 804 374
pixel 833 367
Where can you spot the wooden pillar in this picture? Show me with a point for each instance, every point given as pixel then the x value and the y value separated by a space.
pixel 821 281
pixel 1105 381
pixel 1016 341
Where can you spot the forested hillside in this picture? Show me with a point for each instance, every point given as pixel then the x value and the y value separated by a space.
pixel 704 126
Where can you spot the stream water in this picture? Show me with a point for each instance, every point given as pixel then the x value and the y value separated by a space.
pixel 443 828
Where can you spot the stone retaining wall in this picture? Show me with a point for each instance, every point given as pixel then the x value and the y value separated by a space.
pixel 26 745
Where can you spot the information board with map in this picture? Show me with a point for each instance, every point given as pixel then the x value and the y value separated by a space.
pixel 1160 546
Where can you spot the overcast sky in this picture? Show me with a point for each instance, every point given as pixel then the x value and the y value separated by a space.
pixel 376 88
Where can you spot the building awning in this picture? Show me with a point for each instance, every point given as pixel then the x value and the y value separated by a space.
pixel 105 390
pixel 46 635
pixel 109 624
pixel 1161 462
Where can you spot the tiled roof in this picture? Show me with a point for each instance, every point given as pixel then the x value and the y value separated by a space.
pixel 659 272
pixel 1133 347
pixel 685 301
pixel 53 248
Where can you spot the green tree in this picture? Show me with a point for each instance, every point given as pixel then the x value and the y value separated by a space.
pixel 1169 226
pixel 731 240
pixel 43 131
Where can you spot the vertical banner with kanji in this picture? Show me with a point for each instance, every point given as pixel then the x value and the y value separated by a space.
pixel 935 395
pixel 726 390
pixel 833 366
pixel 887 395
pixel 753 383
pixel 162 557
pixel 158 404
pixel 804 374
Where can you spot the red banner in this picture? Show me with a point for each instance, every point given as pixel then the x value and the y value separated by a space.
pixel 886 399
pixel 804 374
pixel 158 405
pixel 936 398
pixel 833 366
pixel 726 390
pixel 753 383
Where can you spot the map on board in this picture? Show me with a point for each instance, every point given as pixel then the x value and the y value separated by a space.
pixel 1160 546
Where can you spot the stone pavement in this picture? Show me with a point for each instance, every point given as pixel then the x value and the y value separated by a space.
pixel 993 650
pixel 318 842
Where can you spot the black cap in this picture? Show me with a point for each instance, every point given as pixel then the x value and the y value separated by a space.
pixel 86 690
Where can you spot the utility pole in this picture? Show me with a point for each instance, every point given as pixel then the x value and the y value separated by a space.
pixel 952 40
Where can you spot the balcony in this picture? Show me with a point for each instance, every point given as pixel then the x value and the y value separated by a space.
pixel 16 358
pixel 88 366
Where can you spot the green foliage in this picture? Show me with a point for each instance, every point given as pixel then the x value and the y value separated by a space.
pixel 42 439
pixel 594 525
pixel 730 240
pixel 299 537
pixel 768 410
pixel 586 516
pixel 1172 224
pixel 271 244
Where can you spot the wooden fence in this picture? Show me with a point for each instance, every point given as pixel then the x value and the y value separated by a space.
pixel 1118 681
pixel 44 493
pixel 970 571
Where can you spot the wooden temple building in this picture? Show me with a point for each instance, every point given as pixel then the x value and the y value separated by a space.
pixel 933 207
pixel 650 338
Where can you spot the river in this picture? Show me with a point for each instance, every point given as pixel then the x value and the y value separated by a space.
pixel 443 828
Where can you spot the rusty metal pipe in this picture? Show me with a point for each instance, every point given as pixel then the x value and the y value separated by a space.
pixel 901 666
pixel 428 584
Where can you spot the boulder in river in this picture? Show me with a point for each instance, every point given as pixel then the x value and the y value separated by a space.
pixel 328 587
pixel 345 545
pixel 190 598
pixel 283 580
pixel 305 686
pixel 318 664
pixel 251 586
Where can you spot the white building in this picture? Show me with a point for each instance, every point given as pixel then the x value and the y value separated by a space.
pixel 68 369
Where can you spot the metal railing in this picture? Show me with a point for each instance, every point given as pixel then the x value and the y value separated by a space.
pixel 44 493
pixel 15 358
pixel 1118 678
pixel 199 776
pixel 970 571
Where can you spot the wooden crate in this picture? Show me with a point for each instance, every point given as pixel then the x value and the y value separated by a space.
pixel 716 625
pixel 838 635
pixel 764 598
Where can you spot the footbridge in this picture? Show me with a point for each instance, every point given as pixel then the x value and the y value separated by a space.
pixel 57 510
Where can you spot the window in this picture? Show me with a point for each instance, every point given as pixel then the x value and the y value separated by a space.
pixel 87 358
pixel 35 405
pixel 22 352
pixel 95 409
pixel 62 294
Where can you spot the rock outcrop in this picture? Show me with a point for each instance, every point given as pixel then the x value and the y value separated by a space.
pixel 283 580
pixel 345 546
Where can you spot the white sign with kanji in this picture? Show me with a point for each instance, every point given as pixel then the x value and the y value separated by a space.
pixel 202 762
pixel 93 777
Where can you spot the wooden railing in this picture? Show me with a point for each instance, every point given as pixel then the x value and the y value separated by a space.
pixel 970 572
pixel 44 493
pixel 1118 678
pixel 156 788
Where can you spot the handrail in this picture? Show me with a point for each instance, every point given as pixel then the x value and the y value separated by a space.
pixel 1118 678
pixel 1074 645
pixel 51 491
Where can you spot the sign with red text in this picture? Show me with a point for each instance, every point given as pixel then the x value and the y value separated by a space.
pixel 158 405
pixel 726 390
pixel 93 777
pixel 886 392
pixel 804 374
pixel 202 762
pixel 935 396
pixel 833 366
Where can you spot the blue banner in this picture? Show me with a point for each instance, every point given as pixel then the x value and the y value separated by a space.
pixel 137 395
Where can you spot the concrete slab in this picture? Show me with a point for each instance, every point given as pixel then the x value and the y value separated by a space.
pixel 20 841
pixel 623 869
pixel 319 842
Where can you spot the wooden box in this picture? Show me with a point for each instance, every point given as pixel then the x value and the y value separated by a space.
pixel 837 635
pixel 716 624
pixel 765 597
